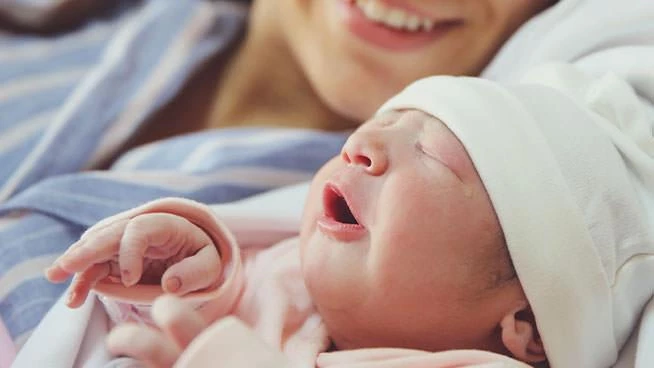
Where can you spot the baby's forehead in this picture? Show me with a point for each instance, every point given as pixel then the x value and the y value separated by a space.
pixel 394 115
pixel 432 124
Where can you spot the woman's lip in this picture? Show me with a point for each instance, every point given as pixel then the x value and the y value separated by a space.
pixel 386 37
pixel 340 231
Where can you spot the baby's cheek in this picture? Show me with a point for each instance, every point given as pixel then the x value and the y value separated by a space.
pixel 308 230
pixel 311 265
pixel 335 276
pixel 313 204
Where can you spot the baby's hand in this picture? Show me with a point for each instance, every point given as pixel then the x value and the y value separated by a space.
pixel 177 324
pixel 150 248
pixel 182 338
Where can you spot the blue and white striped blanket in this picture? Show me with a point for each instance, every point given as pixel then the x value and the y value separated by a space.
pixel 67 102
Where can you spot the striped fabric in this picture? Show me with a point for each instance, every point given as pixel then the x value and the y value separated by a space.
pixel 68 102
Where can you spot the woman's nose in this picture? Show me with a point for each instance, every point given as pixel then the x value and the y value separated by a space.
pixel 366 149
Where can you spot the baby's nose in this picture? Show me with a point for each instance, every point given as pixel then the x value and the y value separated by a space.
pixel 366 149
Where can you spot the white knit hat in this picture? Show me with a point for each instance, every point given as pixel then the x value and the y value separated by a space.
pixel 571 177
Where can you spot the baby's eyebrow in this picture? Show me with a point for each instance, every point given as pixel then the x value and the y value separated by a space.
pixel 389 117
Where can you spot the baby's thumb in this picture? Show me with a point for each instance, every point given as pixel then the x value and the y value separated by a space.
pixel 200 271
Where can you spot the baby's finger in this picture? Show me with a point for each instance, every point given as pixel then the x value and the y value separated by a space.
pixel 99 248
pixel 83 282
pixel 152 229
pixel 179 321
pixel 56 274
pixel 197 272
pixel 143 343
pixel 161 236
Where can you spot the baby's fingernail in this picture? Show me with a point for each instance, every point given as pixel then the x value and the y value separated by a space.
pixel 71 297
pixel 173 284
pixel 126 277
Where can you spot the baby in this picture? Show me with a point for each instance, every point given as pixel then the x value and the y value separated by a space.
pixel 464 215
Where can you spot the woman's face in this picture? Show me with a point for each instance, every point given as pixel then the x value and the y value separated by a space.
pixel 358 53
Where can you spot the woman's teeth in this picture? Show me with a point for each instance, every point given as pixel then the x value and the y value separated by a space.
pixel 394 18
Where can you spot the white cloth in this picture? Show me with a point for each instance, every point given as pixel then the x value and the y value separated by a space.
pixel 596 36
pixel 68 338
pixel 568 161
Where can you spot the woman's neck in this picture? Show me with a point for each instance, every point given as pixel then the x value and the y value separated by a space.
pixel 262 84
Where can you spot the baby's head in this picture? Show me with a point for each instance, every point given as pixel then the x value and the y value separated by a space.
pixel 468 215
pixel 402 246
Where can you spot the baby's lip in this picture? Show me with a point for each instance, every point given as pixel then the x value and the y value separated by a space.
pixel 339 220
pixel 338 207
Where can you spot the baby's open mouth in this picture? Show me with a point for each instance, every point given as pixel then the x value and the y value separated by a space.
pixel 336 207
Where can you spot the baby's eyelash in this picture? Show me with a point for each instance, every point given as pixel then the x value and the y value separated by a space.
pixel 421 148
pixel 432 157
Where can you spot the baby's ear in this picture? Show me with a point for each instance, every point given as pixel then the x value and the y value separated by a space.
pixel 520 335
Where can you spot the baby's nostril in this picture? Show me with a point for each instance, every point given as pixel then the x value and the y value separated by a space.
pixel 345 157
pixel 363 160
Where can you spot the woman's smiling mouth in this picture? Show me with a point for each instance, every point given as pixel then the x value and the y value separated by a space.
pixel 393 28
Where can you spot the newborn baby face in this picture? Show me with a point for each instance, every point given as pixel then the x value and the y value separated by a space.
pixel 400 243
